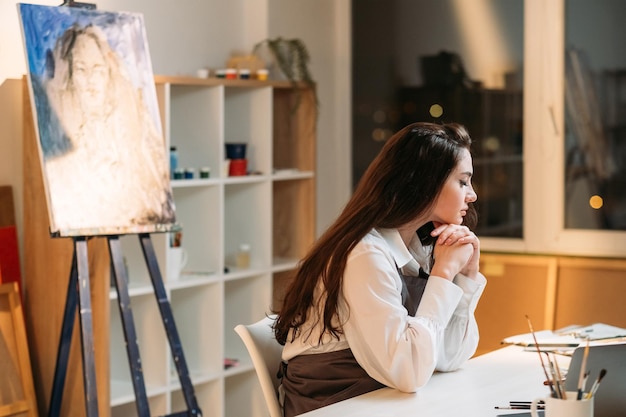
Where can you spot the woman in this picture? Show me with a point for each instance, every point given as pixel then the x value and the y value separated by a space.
pixel 387 295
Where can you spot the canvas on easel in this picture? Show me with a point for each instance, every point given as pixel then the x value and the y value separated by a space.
pixel 99 131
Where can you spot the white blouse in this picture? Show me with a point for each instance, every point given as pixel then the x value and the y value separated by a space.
pixel 394 348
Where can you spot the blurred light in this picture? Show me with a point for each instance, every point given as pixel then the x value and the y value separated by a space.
pixel 436 110
pixel 378 134
pixel 492 144
pixel 379 116
pixel 381 135
pixel 596 202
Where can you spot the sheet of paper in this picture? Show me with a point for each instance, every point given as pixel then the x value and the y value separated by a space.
pixel 544 338
pixel 571 336
pixel 596 331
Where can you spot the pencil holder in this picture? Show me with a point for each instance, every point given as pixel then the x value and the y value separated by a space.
pixel 564 407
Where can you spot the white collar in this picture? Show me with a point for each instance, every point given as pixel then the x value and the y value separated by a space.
pixel 402 256
pixel 398 249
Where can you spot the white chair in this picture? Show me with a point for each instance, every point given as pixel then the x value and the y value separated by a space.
pixel 265 353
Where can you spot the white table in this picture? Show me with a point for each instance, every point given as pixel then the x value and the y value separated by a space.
pixel 493 379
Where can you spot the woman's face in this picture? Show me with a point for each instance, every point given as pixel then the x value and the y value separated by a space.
pixel 89 73
pixel 457 192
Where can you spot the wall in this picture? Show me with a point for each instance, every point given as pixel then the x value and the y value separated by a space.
pixel 185 35
pixel 325 28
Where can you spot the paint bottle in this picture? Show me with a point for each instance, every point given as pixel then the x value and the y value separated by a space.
pixel 262 74
pixel 231 73
pixel 173 160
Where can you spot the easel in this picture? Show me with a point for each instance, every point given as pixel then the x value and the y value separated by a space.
pixel 78 292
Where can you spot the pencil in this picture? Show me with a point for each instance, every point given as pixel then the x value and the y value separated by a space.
pixel 517 407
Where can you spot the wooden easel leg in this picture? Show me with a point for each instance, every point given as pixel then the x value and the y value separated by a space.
pixel 132 347
pixel 86 328
pixel 78 285
pixel 65 343
pixel 170 327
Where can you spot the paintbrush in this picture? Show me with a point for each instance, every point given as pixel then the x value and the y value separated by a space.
pixel 583 370
pixel 543 366
pixel 596 384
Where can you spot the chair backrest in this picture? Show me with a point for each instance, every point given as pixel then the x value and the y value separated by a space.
pixel 265 353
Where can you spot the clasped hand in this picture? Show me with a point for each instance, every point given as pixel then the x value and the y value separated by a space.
pixel 457 250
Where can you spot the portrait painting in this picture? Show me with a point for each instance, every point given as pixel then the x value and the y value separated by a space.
pixel 95 108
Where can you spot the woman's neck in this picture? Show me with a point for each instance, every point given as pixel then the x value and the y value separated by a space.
pixel 408 231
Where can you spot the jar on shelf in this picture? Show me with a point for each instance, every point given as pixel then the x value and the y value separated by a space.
pixel 243 256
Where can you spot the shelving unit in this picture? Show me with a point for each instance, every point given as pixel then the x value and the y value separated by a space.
pixel 272 209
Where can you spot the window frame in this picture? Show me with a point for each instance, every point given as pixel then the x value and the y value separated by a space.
pixel 543 152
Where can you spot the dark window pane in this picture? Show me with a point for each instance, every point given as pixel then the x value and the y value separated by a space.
pixel 595 122
pixel 465 59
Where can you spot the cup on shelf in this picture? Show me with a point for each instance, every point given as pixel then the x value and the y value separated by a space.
pixel 176 262
pixel 566 407
pixel 238 167
pixel 236 150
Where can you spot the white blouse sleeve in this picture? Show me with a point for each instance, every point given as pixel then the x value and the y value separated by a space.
pixel 398 350
pixel 461 333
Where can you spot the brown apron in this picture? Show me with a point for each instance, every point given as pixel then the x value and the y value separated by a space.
pixel 412 290
pixel 317 380
pixel 313 381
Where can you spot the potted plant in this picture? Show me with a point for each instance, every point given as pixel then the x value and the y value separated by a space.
pixel 289 58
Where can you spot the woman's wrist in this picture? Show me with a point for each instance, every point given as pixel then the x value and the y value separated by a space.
pixel 471 273
pixel 442 272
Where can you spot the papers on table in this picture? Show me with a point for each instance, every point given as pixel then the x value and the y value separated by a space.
pixel 570 336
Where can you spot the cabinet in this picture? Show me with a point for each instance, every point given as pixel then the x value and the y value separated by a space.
pixel 272 209
pixel 554 291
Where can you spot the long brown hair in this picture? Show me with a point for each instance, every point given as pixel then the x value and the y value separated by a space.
pixel 401 183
